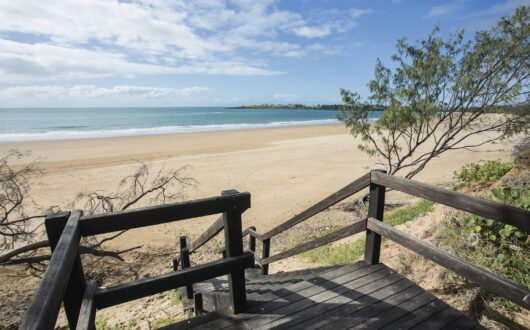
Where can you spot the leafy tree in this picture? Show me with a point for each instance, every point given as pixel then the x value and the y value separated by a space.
pixel 443 92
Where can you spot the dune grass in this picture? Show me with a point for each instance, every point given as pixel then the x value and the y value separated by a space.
pixel 344 253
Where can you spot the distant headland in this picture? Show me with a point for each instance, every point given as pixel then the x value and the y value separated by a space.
pixel 293 106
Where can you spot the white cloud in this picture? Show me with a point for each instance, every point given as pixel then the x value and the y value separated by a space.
pixel 312 32
pixel 72 39
pixel 442 10
pixel 90 95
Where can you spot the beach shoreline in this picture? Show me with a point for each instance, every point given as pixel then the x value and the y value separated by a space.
pixel 60 155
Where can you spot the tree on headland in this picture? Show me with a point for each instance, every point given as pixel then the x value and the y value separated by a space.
pixel 21 219
pixel 442 93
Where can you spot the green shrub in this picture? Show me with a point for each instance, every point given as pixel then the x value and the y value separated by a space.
pixel 490 171
pixel 409 212
pixel 518 197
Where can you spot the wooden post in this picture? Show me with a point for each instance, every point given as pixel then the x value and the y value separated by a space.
pixel 376 207
pixel 198 306
pixel 234 247
pixel 185 260
pixel 76 284
pixel 252 241
pixel 266 249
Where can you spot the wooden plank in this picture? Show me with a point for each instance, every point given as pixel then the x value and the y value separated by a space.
pixel 44 308
pixel 417 316
pixel 76 283
pixel 293 293
pixel 349 230
pixel 345 299
pixel 315 294
pixel 485 208
pixel 473 273
pixel 463 323
pixel 396 312
pixel 155 215
pixel 331 200
pixel 376 209
pixel 106 297
pixel 234 247
pixel 355 312
pixel 439 320
pixel 210 233
pixel 87 313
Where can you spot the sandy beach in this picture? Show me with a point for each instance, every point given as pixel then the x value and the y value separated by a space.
pixel 285 170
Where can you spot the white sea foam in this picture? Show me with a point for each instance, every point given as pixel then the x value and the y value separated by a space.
pixel 90 134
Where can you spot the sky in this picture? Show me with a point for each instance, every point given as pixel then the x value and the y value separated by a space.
pixel 109 53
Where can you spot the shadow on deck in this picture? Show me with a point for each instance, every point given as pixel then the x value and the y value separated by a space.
pixel 354 296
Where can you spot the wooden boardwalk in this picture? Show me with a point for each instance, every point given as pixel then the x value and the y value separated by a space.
pixel 354 296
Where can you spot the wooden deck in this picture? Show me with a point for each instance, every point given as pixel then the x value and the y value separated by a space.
pixel 352 296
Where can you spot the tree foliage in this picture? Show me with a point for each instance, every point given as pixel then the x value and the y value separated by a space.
pixel 441 93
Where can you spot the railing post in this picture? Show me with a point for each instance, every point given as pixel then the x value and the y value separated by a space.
pixel 252 241
pixel 265 252
pixel 234 247
pixel 75 290
pixel 376 207
pixel 185 260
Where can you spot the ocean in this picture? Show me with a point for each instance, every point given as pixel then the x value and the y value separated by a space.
pixel 83 123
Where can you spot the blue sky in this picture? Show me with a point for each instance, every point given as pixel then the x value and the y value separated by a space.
pixel 73 53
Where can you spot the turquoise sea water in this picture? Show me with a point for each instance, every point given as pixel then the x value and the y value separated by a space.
pixel 80 123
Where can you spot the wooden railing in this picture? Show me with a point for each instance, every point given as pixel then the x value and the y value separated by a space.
pixel 378 182
pixel 64 279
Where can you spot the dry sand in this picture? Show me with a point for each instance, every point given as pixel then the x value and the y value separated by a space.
pixel 285 170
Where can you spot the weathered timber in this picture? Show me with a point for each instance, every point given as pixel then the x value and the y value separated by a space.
pixel 198 305
pixel 473 273
pixel 349 230
pixel 185 261
pixel 251 238
pixel 106 297
pixel 488 209
pixel 331 200
pixel 234 247
pixel 265 253
pixel 44 308
pixel 87 313
pixel 376 209
pixel 155 215
pixel 214 229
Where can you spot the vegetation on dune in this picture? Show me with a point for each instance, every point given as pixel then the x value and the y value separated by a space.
pixel 501 248
pixel 490 171
pixel 335 254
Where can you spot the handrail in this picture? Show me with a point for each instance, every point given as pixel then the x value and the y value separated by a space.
pixel 488 209
pixel 155 215
pixel 44 308
pixel 331 200
pixel 64 279
pixel 210 233
pixel 106 297
pixel 339 234
pixel 476 274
